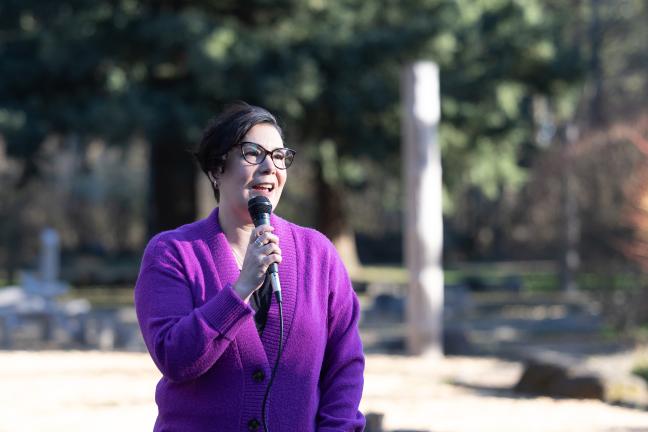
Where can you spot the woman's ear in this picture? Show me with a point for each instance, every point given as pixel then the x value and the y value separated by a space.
pixel 213 178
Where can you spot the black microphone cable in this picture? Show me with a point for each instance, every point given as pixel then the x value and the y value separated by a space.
pixel 264 412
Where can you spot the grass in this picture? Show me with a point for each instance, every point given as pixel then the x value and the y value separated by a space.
pixel 384 274
pixel 641 370
pixel 533 278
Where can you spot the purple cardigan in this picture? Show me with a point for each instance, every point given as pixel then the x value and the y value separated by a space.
pixel 216 367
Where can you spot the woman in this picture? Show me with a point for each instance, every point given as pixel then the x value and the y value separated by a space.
pixel 208 316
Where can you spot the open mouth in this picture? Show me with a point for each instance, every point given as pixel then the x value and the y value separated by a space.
pixel 264 187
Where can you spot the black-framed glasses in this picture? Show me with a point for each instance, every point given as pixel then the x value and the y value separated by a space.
pixel 255 154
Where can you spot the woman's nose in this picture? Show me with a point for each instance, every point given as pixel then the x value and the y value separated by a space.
pixel 267 166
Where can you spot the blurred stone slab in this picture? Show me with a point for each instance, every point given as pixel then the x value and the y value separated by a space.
pixel 558 380
pixel 27 316
pixel 32 322
pixel 561 376
pixel 113 329
pixel 374 423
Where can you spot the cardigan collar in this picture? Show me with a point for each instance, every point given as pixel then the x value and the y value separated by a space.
pixel 228 272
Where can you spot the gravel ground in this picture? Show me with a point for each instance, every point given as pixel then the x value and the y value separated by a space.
pixel 78 391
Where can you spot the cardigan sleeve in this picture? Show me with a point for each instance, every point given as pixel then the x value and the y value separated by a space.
pixel 183 341
pixel 341 378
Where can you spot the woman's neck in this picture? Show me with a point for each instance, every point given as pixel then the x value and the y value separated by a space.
pixel 237 229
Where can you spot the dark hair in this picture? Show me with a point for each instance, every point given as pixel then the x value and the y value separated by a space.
pixel 227 130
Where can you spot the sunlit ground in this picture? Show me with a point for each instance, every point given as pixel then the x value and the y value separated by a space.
pixel 80 391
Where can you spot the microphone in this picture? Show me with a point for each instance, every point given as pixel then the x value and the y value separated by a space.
pixel 260 209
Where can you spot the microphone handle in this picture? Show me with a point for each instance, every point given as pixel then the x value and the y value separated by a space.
pixel 264 219
pixel 273 270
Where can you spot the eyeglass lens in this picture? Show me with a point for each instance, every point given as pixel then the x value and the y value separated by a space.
pixel 255 154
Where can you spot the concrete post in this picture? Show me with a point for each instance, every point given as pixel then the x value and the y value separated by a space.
pixel 49 255
pixel 423 212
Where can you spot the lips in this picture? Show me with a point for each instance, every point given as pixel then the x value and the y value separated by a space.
pixel 263 187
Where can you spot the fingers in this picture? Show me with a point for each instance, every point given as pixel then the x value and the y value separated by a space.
pixel 270 259
pixel 270 249
pixel 264 247
pixel 260 230
pixel 262 235
pixel 262 251
pixel 266 239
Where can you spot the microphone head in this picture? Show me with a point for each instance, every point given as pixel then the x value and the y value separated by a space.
pixel 259 205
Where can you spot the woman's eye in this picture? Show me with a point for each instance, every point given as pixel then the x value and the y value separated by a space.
pixel 251 152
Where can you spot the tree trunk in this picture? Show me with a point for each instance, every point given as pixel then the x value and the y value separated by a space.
pixel 172 194
pixel 571 227
pixel 332 219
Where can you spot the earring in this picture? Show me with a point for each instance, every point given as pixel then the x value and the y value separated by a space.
pixel 212 177
pixel 213 180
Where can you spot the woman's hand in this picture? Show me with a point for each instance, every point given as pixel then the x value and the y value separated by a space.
pixel 263 250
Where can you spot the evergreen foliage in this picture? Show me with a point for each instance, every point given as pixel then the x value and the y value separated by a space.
pixel 160 69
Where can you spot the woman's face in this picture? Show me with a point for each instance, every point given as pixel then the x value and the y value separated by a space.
pixel 242 180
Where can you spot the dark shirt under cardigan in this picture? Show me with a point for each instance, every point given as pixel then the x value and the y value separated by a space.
pixel 262 299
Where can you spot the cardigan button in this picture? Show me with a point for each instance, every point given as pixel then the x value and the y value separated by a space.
pixel 258 376
pixel 253 424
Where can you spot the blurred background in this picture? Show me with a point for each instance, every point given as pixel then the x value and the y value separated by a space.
pixel 543 137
